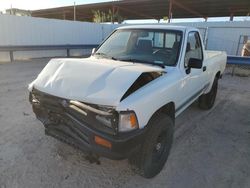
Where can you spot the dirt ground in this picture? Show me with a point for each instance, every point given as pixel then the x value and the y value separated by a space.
pixel 211 148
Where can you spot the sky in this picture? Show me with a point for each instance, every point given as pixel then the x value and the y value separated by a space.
pixel 41 4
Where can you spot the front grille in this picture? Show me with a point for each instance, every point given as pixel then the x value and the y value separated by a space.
pixel 56 105
pixel 71 138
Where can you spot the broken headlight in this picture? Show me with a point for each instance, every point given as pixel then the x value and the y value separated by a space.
pixel 33 99
pixel 127 121
pixel 107 121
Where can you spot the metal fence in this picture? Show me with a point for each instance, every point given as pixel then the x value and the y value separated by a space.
pixel 238 65
pixel 12 49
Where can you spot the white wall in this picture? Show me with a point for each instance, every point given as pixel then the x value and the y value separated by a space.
pixel 16 30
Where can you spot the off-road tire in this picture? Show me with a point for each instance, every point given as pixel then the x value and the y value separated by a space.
pixel 206 101
pixel 152 156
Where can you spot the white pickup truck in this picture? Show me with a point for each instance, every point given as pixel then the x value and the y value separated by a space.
pixel 123 100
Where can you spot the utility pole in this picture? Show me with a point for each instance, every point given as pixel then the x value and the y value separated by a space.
pixel 112 16
pixel 231 17
pixel 170 10
pixel 74 11
pixel 11 11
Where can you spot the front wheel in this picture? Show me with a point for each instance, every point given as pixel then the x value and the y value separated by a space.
pixel 206 101
pixel 150 160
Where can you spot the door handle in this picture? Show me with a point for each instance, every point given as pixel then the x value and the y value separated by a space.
pixel 204 68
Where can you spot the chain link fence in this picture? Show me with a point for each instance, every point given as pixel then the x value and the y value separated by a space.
pixel 238 70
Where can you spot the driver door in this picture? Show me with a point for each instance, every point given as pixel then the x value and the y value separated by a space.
pixel 194 79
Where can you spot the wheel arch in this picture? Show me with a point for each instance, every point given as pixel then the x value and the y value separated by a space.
pixel 218 75
pixel 167 109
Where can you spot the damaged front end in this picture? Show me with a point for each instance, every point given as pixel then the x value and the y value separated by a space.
pixel 96 126
pixel 91 128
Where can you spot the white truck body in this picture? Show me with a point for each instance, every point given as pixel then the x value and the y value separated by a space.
pixel 122 101
pixel 104 81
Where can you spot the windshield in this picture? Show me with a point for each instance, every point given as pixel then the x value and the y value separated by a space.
pixel 160 47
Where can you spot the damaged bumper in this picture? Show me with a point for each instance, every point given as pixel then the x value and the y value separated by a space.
pixel 85 126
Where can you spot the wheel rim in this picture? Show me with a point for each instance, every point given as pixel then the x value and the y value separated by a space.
pixel 159 147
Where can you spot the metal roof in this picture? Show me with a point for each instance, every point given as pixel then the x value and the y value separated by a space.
pixel 151 9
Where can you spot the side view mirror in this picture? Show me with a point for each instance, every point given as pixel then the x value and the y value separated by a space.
pixel 93 51
pixel 195 63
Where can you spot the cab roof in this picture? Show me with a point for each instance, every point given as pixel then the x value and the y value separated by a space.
pixel 158 26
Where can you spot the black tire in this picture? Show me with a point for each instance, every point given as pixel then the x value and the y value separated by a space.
pixel 206 101
pixel 152 156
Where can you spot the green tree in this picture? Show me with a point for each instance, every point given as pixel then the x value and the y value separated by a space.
pixel 165 18
pixel 100 16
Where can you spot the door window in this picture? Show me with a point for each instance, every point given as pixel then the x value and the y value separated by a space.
pixel 193 49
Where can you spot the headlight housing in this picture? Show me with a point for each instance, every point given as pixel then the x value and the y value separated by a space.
pixel 33 99
pixel 127 121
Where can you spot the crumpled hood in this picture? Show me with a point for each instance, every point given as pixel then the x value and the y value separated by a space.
pixel 91 80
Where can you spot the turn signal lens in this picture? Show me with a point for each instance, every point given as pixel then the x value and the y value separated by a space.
pixel 127 121
pixel 133 120
pixel 103 142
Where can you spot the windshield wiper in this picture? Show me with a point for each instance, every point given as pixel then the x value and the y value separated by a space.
pixel 142 61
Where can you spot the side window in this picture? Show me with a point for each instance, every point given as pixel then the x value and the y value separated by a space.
pixel 194 49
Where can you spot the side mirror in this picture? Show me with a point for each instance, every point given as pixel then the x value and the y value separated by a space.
pixel 195 63
pixel 93 51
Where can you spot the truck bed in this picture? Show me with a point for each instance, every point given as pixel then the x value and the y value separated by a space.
pixel 210 54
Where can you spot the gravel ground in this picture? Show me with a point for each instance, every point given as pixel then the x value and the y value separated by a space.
pixel 211 148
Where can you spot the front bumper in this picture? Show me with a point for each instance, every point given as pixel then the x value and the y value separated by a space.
pixel 70 127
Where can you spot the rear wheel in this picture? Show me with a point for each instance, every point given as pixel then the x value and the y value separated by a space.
pixel 206 101
pixel 150 160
